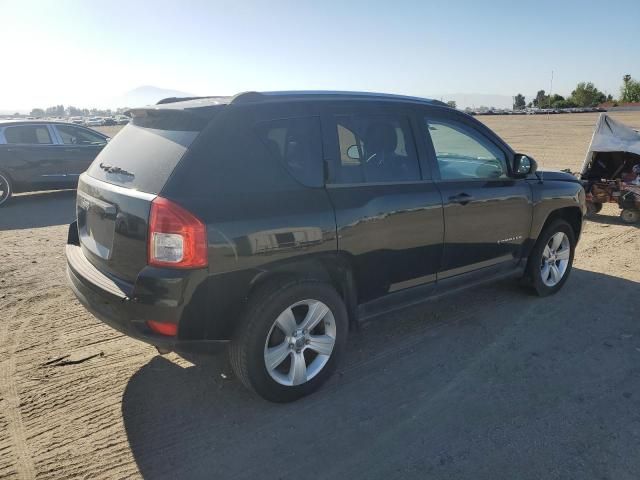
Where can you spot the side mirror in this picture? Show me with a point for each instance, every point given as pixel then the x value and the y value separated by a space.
pixel 353 152
pixel 524 165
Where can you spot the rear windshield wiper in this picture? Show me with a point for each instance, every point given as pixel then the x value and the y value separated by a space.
pixel 111 169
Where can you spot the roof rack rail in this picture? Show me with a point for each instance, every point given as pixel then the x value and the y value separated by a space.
pixel 257 97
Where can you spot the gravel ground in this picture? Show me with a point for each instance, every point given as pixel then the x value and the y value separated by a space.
pixel 496 384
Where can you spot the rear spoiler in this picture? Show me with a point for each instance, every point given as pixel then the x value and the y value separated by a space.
pixel 192 120
pixel 179 99
pixel 203 108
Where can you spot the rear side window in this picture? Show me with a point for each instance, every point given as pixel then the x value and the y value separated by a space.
pixel 297 144
pixel 71 135
pixel 373 149
pixel 28 134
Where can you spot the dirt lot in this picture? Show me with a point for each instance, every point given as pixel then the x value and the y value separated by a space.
pixel 496 384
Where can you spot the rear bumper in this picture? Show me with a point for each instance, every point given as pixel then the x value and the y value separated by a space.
pixel 118 306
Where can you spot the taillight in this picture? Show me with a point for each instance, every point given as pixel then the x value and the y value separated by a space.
pixel 177 238
pixel 168 329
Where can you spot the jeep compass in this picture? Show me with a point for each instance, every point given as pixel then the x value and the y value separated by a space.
pixel 273 222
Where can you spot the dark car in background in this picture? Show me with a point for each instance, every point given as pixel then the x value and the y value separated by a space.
pixel 273 222
pixel 42 155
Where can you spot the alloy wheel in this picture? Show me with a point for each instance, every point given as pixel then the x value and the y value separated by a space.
pixel 5 189
pixel 630 215
pixel 555 259
pixel 300 342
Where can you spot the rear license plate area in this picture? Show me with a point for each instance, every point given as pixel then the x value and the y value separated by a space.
pixel 96 224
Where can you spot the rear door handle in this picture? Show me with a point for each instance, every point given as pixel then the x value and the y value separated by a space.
pixel 461 198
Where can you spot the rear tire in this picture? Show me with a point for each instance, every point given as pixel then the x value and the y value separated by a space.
pixel 551 259
pixel 6 189
pixel 274 354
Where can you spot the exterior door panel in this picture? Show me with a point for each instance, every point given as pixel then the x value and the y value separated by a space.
pixel 487 212
pixel 388 210
pixel 488 227
pixel 393 234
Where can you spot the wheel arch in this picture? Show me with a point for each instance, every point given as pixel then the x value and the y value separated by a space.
pixel 572 215
pixel 6 174
pixel 335 269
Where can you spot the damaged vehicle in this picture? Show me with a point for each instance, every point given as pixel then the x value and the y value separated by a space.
pixel 611 169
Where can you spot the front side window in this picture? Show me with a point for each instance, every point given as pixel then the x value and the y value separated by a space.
pixel 297 144
pixel 28 134
pixel 78 136
pixel 465 154
pixel 375 148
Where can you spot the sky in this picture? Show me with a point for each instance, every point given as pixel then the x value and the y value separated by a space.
pixel 88 53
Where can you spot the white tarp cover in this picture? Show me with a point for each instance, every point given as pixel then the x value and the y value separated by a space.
pixel 611 136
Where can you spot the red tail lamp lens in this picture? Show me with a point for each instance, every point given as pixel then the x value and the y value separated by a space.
pixel 168 329
pixel 177 238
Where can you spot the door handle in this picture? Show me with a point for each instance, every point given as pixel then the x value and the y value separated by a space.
pixel 461 198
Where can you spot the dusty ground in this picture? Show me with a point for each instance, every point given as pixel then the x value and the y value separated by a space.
pixel 497 384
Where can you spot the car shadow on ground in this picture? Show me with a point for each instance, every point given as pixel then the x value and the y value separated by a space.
pixel 610 220
pixel 41 209
pixel 495 383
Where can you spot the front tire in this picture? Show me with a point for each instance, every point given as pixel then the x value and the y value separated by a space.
pixel 551 259
pixel 290 340
pixel 6 188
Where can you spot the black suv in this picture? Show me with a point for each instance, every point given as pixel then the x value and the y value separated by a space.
pixel 273 222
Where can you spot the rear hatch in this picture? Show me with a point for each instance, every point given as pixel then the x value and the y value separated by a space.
pixel 115 193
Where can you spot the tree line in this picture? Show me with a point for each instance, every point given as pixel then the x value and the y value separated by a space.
pixel 584 95
pixel 61 111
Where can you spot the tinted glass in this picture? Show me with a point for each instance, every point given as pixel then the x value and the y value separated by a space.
pixel 141 158
pixel 465 154
pixel 375 148
pixel 30 134
pixel 78 136
pixel 296 142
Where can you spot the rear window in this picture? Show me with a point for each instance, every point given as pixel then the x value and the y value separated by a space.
pixel 141 157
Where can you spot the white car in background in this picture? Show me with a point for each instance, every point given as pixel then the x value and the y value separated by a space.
pixel 122 119
pixel 94 122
